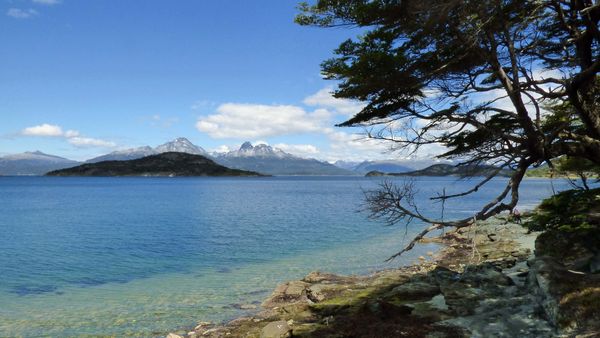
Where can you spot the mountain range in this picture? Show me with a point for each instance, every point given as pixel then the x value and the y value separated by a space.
pixel 180 145
pixel 261 158
pixel 32 163
pixel 273 161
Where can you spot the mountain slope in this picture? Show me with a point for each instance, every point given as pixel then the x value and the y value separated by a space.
pixel 383 166
pixel 268 160
pixel 33 163
pixel 449 170
pixel 165 164
pixel 124 155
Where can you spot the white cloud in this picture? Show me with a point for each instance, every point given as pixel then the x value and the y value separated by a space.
pixel 221 149
pixel 47 2
pixel 302 150
pixel 90 142
pixel 324 98
pixel 259 122
pixel 251 121
pixel 71 133
pixel 43 130
pixel 18 13
pixel 74 137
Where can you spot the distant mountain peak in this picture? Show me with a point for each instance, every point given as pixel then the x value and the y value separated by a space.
pixel 181 145
pixel 246 146
pixel 260 150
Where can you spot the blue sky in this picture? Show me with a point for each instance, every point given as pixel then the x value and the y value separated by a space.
pixel 83 78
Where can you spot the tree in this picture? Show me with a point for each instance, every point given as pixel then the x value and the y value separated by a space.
pixel 471 75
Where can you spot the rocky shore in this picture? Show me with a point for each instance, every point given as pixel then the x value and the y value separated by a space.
pixel 494 279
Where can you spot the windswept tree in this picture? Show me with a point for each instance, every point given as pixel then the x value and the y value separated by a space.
pixel 470 75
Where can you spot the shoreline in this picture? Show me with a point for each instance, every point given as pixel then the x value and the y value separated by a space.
pixel 320 303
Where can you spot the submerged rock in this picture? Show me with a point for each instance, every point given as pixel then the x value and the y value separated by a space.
pixel 479 286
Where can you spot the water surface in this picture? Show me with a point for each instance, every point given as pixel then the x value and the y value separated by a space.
pixel 145 256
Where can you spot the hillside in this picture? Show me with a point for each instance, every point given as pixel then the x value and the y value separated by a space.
pixel 165 164
pixel 447 170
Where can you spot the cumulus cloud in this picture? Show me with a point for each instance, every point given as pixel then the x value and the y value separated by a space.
pixel 18 13
pixel 251 121
pixel 324 98
pixel 47 2
pixel 74 137
pixel 258 121
pixel 43 130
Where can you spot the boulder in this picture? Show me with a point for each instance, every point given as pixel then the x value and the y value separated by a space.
pixel 279 329
pixel 414 290
pixel 172 335
pixel 290 292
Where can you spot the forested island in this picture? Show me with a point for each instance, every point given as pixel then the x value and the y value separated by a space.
pixel 165 164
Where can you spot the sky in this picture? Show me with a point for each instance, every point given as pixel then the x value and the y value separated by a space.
pixel 84 78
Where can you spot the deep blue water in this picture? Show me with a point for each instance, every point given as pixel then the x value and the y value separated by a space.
pixel 144 256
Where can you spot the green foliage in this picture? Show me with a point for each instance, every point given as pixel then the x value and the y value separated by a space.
pixel 472 76
pixel 569 211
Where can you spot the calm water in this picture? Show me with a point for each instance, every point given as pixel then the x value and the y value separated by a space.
pixel 145 256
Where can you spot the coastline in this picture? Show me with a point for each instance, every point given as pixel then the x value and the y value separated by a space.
pixel 476 267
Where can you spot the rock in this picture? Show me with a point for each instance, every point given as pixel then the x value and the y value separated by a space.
pixel 209 331
pixel 595 263
pixel 316 293
pixel 294 291
pixel 172 335
pixel 279 329
pixel 244 306
pixel 414 290
pixel 539 278
pixel 485 274
pixel 202 325
pixel 317 277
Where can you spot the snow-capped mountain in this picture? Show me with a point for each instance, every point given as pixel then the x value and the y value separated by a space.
pixel 124 155
pixel 180 145
pixel 265 159
pixel 33 163
pixel 260 150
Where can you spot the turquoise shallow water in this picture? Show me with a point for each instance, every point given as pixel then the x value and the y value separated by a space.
pixel 145 256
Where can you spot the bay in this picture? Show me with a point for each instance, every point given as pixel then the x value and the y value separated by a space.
pixel 145 256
